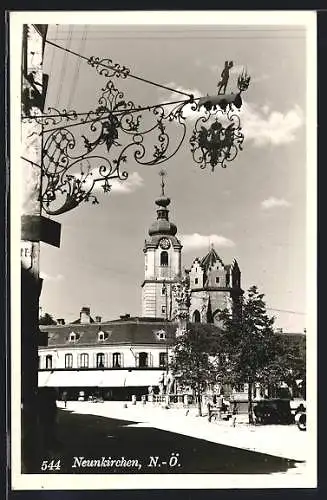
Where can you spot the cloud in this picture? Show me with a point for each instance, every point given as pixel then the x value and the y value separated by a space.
pixel 273 202
pixel 133 182
pixel 264 126
pixel 261 125
pixel 196 240
pixel 188 112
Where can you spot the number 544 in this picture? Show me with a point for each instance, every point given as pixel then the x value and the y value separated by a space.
pixel 50 465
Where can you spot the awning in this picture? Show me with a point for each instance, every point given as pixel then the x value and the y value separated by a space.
pixel 100 378
pixel 112 378
pixel 143 378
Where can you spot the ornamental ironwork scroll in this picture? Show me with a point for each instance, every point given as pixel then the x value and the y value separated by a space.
pixel 83 152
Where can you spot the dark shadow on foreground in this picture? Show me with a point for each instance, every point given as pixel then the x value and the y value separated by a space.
pixel 90 444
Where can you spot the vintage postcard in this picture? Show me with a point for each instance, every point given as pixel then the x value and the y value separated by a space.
pixel 163 250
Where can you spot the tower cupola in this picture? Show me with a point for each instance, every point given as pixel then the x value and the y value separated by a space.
pixel 162 266
pixel 162 226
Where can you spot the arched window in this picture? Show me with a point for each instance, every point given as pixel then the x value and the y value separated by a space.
pixel 68 361
pixel 100 360
pixel 143 359
pixel 164 258
pixel 84 360
pixel 48 362
pixel 116 360
pixel 196 317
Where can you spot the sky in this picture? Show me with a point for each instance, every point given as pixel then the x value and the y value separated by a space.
pixel 254 210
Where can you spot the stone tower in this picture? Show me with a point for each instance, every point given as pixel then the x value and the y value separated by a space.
pixel 162 266
pixel 214 286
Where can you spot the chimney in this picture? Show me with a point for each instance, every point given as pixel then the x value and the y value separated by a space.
pixel 60 321
pixel 85 315
pixel 98 319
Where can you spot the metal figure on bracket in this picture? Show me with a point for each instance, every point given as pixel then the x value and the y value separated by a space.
pixel 222 84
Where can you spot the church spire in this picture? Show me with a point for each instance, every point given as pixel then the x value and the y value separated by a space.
pixel 162 226
pixel 162 174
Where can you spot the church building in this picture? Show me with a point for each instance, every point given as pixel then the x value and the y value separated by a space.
pixel 129 356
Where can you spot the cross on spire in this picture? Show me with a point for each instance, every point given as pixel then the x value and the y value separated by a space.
pixel 162 174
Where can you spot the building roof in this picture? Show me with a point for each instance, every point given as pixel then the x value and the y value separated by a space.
pixel 115 332
pixel 138 331
pixel 210 259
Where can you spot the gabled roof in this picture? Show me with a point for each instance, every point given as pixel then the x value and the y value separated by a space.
pixel 210 259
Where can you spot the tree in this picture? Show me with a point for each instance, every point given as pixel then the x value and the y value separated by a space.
pixel 47 319
pixel 253 349
pixel 194 359
pixel 292 363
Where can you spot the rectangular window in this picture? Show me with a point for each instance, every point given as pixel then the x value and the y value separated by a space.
pixel 84 363
pixel 68 361
pixel 143 359
pixel 116 360
pixel 196 280
pixel 217 279
pixel 48 362
pixel 163 309
pixel 100 360
pixel 162 359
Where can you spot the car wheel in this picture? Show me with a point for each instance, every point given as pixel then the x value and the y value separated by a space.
pixel 301 421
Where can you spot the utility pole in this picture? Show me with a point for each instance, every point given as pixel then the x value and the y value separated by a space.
pixel 34 228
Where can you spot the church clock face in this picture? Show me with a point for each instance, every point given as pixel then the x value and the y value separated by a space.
pixel 164 243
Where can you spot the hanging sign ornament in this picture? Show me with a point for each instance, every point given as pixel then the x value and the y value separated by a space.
pixel 83 152
pixel 217 137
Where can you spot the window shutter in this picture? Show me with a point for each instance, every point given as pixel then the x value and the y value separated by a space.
pixel 94 360
pixel 122 359
pixel 137 360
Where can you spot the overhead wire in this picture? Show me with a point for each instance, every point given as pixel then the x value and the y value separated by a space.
pixel 77 68
pixel 130 75
pixel 53 51
pixel 286 311
pixel 63 66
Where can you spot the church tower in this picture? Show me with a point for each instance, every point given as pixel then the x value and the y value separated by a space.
pixel 214 286
pixel 162 267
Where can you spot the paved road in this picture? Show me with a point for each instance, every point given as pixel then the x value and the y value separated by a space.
pixel 84 439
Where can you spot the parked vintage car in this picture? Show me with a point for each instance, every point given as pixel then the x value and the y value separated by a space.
pixel 273 411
